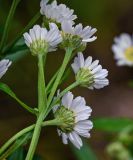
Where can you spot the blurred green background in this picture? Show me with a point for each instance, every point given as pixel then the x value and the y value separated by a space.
pixel 110 17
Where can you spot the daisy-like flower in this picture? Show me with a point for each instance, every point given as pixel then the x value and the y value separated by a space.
pixel 74 114
pixel 77 35
pixel 123 50
pixel 56 13
pixel 89 73
pixel 40 40
pixel 4 65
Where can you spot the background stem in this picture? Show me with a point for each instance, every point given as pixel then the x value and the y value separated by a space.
pixel 8 23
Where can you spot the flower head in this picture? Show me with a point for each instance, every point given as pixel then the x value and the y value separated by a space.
pixel 4 65
pixel 89 74
pixel 56 13
pixel 40 40
pixel 77 34
pixel 123 50
pixel 74 113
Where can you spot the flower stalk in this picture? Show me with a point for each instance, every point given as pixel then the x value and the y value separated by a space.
pixel 42 101
pixel 60 74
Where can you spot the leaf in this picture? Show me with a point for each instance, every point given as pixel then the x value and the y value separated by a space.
pixel 18 51
pixel 112 124
pixel 8 91
pixel 85 153
pixel 20 154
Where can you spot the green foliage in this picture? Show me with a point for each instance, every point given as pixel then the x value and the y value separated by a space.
pixel 85 153
pixel 18 51
pixel 112 124
pixel 20 154
pixel 8 91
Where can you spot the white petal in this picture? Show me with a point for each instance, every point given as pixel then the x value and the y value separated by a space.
pixel 75 139
pixel 67 27
pixel 67 100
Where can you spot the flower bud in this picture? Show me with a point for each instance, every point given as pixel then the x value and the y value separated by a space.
pixel 117 151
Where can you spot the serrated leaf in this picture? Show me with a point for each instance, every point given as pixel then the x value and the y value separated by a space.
pixel 112 124
pixel 85 153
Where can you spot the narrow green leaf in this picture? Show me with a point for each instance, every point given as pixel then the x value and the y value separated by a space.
pixel 20 34
pixel 8 91
pixel 112 124
pixel 17 144
pixel 8 23
pixel 20 154
pixel 85 153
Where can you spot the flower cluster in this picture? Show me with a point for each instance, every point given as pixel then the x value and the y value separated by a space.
pixel 63 32
pixel 71 115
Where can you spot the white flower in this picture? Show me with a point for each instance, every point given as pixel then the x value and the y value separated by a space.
pixel 75 114
pixel 40 39
pixel 123 49
pixel 89 74
pixel 4 65
pixel 56 13
pixel 86 34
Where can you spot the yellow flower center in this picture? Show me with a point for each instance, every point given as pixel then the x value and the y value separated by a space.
pixel 129 54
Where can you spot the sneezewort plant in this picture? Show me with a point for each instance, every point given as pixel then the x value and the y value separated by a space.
pixel 70 114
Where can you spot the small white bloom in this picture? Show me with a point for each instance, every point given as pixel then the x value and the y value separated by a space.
pixel 123 50
pixel 56 13
pixel 75 114
pixel 86 34
pixel 90 74
pixel 40 39
pixel 4 65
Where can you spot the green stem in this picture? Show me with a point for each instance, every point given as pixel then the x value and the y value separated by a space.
pixel 8 22
pixel 8 91
pixel 42 101
pixel 26 130
pixel 29 25
pixel 60 74
pixel 29 109
pixel 51 82
pixel 73 85
pixel 55 75
pixel 69 88
pixel 16 136
pixel 42 97
pixel 15 146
